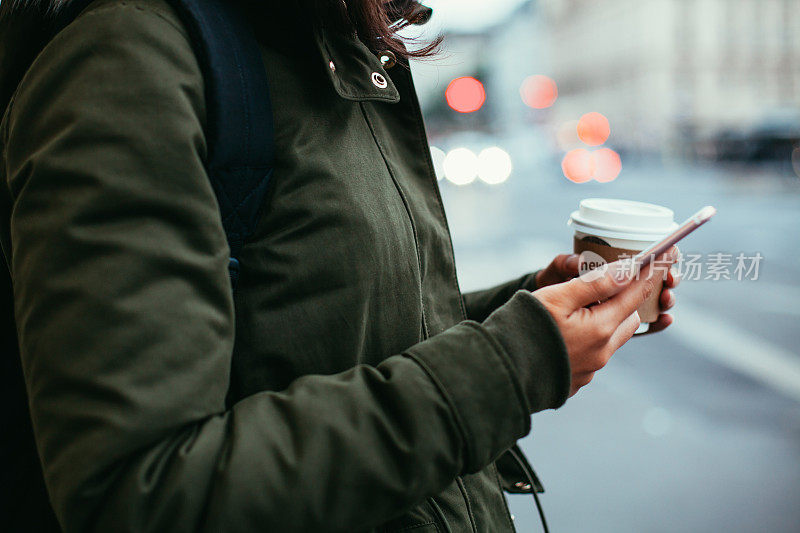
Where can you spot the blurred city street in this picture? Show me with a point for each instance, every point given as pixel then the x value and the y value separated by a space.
pixel 534 105
pixel 677 433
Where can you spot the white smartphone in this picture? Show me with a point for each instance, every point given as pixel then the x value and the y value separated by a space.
pixel 695 221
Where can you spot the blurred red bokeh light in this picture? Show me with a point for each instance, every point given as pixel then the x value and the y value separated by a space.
pixel 593 129
pixel 607 165
pixel 465 94
pixel 538 92
pixel 578 165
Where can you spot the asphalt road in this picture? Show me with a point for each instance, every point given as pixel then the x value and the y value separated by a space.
pixel 694 429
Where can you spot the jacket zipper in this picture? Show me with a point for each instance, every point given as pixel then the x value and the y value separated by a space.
pixel 425 331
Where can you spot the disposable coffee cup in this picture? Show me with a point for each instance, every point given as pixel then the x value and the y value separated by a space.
pixel 617 229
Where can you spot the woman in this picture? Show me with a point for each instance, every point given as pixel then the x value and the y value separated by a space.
pixel 363 392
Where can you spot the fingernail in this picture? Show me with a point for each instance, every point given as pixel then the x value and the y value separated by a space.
pixel 572 261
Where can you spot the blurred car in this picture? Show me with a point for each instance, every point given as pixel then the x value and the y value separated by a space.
pixel 773 138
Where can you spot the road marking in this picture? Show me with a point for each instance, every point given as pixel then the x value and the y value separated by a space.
pixel 737 349
pixel 777 298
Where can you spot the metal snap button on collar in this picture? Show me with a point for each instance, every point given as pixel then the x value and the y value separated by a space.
pixel 379 81
pixel 388 59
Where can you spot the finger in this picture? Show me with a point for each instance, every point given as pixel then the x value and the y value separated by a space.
pixel 625 331
pixel 562 268
pixel 662 265
pixel 675 252
pixel 622 305
pixel 663 322
pixel 597 285
pixel 673 279
pixel 666 300
pixel 633 296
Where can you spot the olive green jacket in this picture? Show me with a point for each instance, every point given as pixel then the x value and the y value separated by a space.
pixel 346 386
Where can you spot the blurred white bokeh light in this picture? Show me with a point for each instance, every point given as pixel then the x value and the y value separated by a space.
pixel 461 166
pixel 494 165
pixel 438 155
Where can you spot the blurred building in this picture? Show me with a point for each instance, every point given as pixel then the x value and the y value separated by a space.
pixel 679 76
pixel 669 73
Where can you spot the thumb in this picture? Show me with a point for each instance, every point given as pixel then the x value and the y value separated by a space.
pixel 599 284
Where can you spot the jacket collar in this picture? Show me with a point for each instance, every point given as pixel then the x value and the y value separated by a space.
pixel 354 70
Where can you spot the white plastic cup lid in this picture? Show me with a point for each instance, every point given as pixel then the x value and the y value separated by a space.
pixel 623 219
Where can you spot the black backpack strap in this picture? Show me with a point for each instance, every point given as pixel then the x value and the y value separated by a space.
pixel 239 127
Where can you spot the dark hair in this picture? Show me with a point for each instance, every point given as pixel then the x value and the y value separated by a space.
pixel 26 26
pixel 377 22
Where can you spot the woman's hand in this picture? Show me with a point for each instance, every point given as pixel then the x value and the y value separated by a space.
pixel 592 334
pixel 666 301
pixel 565 267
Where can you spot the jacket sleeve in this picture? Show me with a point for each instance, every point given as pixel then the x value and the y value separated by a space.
pixel 481 304
pixel 125 323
